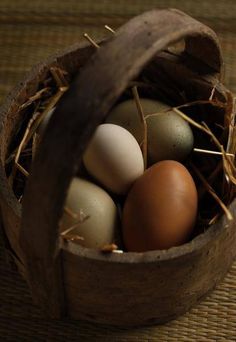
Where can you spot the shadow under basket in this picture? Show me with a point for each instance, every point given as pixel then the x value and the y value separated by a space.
pixel 68 280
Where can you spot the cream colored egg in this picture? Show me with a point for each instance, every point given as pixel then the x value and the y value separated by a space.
pixel 114 158
pixel 97 216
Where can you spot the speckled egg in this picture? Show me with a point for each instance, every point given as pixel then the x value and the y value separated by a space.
pixel 125 114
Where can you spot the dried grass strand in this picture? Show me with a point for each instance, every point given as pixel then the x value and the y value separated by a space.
pixel 91 41
pixel 35 97
pixel 217 153
pixel 211 179
pixel 109 29
pixel 58 75
pixel 144 124
pixel 53 101
pixel 213 92
pixel 22 169
pixel 109 248
pixel 30 131
pixel 231 145
pixel 215 103
pixel 212 193
pixel 229 167
pixel 66 235
pixel 25 136
pixel 80 217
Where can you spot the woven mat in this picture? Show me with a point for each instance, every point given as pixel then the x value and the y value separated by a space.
pixel 29 32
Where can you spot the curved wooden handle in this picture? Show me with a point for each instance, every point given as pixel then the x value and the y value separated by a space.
pixel 83 107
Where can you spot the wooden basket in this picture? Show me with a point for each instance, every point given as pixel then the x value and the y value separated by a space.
pixel 66 279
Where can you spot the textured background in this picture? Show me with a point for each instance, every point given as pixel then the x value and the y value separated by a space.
pixel 29 32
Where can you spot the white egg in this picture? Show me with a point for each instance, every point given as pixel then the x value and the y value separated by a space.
pixel 114 158
pixel 97 215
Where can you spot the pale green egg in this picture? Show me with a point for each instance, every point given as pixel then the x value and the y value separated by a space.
pixel 95 216
pixel 169 138
pixel 125 114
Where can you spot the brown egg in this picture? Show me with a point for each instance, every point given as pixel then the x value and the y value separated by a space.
pixel 160 209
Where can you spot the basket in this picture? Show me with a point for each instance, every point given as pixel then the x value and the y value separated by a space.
pixel 68 280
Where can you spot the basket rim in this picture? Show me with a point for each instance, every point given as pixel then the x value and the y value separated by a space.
pixel 186 249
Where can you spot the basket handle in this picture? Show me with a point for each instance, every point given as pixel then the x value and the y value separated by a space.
pixel 83 107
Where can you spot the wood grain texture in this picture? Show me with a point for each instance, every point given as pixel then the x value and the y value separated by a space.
pixel 211 320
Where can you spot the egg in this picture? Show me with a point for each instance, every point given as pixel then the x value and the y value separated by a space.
pixel 160 209
pixel 168 135
pixel 125 114
pixel 97 216
pixel 114 158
